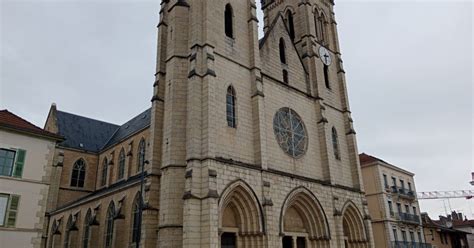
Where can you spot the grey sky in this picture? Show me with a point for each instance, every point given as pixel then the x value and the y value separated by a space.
pixel 409 71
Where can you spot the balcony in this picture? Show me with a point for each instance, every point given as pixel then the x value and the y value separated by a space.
pixel 409 218
pixel 406 244
pixel 403 192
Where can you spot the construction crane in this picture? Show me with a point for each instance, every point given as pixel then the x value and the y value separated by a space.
pixel 431 195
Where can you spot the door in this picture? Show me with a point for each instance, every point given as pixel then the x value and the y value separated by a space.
pixel 287 242
pixel 228 240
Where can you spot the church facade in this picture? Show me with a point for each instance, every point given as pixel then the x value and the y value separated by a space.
pixel 248 142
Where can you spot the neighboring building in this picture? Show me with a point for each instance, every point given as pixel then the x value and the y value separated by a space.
pixel 26 158
pixel 247 143
pixel 442 233
pixel 461 223
pixel 393 205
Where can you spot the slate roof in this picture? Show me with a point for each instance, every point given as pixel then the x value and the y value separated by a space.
pixel 133 126
pixel 93 135
pixel 9 120
pixel 83 133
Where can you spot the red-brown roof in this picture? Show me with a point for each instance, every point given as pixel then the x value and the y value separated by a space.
pixel 9 120
pixel 366 159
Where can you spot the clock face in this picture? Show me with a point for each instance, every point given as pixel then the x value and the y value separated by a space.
pixel 325 56
pixel 290 132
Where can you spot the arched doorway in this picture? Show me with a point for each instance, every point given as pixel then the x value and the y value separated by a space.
pixel 240 217
pixel 303 222
pixel 353 227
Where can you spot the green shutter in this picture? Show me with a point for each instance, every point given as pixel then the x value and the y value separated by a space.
pixel 12 210
pixel 19 163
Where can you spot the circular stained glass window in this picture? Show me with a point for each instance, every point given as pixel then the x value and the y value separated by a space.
pixel 290 132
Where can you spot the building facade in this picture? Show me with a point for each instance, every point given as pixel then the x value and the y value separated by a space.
pixel 442 233
pixel 393 205
pixel 248 142
pixel 26 158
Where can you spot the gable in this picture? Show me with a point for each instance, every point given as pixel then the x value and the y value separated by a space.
pixel 270 56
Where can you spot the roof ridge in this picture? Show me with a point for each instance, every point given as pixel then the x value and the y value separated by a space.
pixel 85 117
pixel 21 118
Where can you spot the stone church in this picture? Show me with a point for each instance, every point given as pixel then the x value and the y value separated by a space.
pixel 248 142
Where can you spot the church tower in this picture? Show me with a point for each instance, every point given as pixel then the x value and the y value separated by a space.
pixel 252 140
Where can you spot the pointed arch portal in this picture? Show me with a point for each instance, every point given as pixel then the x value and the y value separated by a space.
pixel 303 222
pixel 240 217
pixel 353 227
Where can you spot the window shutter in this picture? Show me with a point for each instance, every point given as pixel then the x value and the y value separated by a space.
pixel 12 210
pixel 19 163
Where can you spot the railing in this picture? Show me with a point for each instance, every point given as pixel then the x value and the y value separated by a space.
pixel 410 218
pixel 406 244
pixel 403 192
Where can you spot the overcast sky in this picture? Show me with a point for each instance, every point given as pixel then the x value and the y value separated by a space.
pixel 409 71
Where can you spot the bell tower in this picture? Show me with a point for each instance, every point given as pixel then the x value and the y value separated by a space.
pixel 205 48
pixel 312 26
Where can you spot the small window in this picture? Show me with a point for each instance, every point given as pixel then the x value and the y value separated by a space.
pixel 105 169
pixel 109 225
pixel 390 207
pixel 394 182
pixel 395 234
pixel 9 205
pixel 229 29
pixel 385 182
pixel 285 77
pixel 282 51
pixel 78 174
pixel 141 155
pixel 414 210
pixel 7 160
pixel 121 172
pixel 291 26
pixel 230 107
pixel 326 77
pixel 335 144
pixel 409 186
pixel 3 208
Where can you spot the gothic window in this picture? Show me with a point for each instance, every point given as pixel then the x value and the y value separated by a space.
pixel 230 107
pixel 335 144
pixel 109 225
pixel 87 230
pixel 326 77
pixel 228 15
pixel 136 222
pixel 290 132
pixel 78 173
pixel 291 26
pixel 141 154
pixel 105 166
pixel 322 28
pixel 282 51
pixel 285 76
pixel 121 171
pixel 317 26
pixel 67 235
